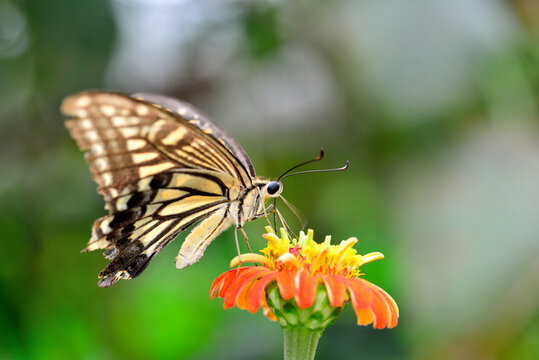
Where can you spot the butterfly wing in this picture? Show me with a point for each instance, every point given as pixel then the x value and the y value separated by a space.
pixel 196 117
pixel 158 174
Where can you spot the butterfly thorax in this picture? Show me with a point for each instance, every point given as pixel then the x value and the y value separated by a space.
pixel 250 201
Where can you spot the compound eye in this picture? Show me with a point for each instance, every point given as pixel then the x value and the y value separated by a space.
pixel 273 187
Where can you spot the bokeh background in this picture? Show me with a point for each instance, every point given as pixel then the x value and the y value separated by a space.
pixel 435 104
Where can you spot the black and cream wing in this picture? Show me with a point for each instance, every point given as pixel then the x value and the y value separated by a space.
pixel 158 174
pixel 196 117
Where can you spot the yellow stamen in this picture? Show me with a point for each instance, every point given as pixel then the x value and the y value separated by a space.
pixel 273 240
pixel 327 240
pixel 343 247
pixel 321 258
pixel 308 240
pixel 284 234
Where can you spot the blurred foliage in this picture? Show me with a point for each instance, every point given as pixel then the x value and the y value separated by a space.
pixel 262 31
pixel 435 105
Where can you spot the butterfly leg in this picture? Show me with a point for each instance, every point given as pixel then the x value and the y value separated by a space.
pixel 302 219
pixel 264 214
pixel 284 223
pixel 237 246
pixel 246 239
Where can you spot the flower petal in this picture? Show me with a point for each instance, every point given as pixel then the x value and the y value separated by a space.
pixel 267 311
pixel 364 316
pixel 360 293
pixel 380 310
pixel 245 258
pixel 307 285
pixel 273 239
pixel 343 249
pixel 257 294
pixel 372 257
pixel 287 261
pixel 372 304
pixel 389 312
pixel 216 285
pixel 321 258
pixel 246 276
pixel 335 289
pixel 221 283
pixel 362 300
pixel 241 300
pixel 287 284
pixel 231 278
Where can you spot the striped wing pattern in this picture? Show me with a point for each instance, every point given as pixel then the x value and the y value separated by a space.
pixel 158 173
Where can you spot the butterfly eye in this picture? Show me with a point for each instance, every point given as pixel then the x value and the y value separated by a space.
pixel 273 187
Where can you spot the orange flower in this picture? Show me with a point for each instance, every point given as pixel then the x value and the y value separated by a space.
pixel 306 273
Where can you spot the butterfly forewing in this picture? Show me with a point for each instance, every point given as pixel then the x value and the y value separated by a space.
pixel 130 139
pixel 196 117
pixel 158 173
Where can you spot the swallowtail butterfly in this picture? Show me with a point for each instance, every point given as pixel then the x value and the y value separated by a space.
pixel 161 166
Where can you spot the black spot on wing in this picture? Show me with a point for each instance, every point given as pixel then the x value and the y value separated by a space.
pixel 138 264
pixel 140 198
pixel 129 259
pixel 128 216
pixel 160 180
pixel 122 241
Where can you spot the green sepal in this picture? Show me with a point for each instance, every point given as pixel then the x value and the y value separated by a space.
pixel 315 318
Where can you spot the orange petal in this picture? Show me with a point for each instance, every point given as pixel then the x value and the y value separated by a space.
pixel 306 285
pixel 364 316
pixel 246 276
pixel 241 300
pixel 257 294
pixel 287 284
pixel 216 286
pixel 391 305
pixel 231 279
pixel 380 310
pixel 267 311
pixel 362 299
pixel 335 289
pixel 219 285
pixel 391 309
pixel 360 293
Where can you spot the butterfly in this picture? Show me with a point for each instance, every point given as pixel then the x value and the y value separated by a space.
pixel 161 166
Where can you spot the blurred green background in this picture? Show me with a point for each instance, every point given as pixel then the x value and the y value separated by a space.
pixel 435 104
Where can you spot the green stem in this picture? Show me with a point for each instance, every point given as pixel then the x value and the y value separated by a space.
pixel 300 343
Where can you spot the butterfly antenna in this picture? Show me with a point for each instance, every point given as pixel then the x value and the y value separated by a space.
pixel 318 158
pixel 319 170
